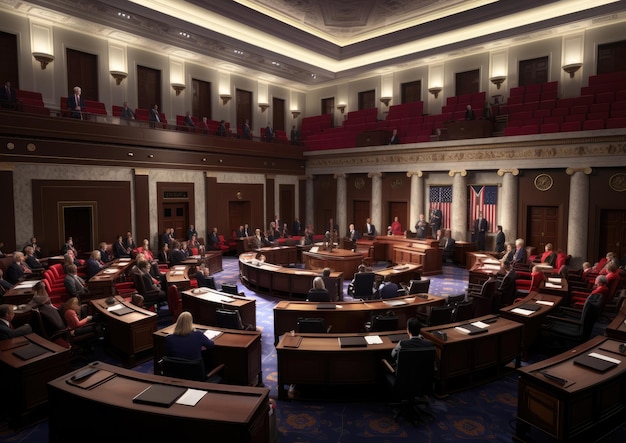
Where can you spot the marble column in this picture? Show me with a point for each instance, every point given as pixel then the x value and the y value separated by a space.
pixel 310 200
pixel 377 199
pixel 417 197
pixel 341 215
pixel 578 217
pixel 507 203
pixel 458 218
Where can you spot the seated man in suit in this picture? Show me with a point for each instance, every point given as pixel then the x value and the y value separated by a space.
pixel 318 292
pixel 258 240
pixel 51 315
pixel 505 294
pixel 75 286
pixel 119 250
pixel 6 328
pixel 415 340
pixel 387 289
pixel 203 278
pixel 152 290
pixel 178 255
pixel 189 121
pixel 241 232
pixel 360 270
pixel 104 253
pixel 94 264
pixel 214 239
pixel 32 261
pixel 18 269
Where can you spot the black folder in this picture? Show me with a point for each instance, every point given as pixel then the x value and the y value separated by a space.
pixel 159 395
pixel 29 351
pixel 395 338
pixel 597 364
pixel 352 342
pixel 530 307
pixel 123 311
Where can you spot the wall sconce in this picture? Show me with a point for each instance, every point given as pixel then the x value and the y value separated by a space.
pixel 119 76
pixel 572 68
pixel 43 58
pixel 341 108
pixel 385 100
pixel 295 114
pixel 225 98
pixel 435 90
pixel 263 106
pixel 178 87
pixel 498 80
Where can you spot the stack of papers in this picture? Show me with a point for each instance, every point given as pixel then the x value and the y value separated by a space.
pixel 212 334
pixel 373 340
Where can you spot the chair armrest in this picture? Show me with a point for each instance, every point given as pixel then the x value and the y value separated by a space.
pixel 329 328
pixel 563 320
pixel 388 366
pixel 215 371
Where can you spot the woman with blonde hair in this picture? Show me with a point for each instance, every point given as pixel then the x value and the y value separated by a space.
pixel 186 341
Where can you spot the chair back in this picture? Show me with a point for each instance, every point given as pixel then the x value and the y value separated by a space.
pixel 415 371
pixel 419 286
pixel 230 288
pixel 440 315
pixel 183 368
pixel 384 323
pixel 590 314
pixel 228 318
pixel 363 285
pixel 464 311
pixel 173 302
pixel 484 304
pixel 206 282
pixel 311 325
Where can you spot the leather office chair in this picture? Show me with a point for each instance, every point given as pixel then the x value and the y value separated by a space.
pixel 312 325
pixel 419 286
pixel 363 285
pixel 230 319
pixel 484 300
pixel 464 310
pixel 190 369
pixel 173 302
pixel 411 381
pixel 43 327
pixel 440 315
pixel 572 326
pixel 230 288
pixel 208 282
pixel 382 323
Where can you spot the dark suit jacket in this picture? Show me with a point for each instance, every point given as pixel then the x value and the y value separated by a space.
pixel 154 115
pixel 481 225
pixel 414 342
pixel 388 290
pixel 7 96
pixel 191 233
pixel 372 230
pixel 119 251
pixel 500 242
pixel 93 267
pixel 164 258
pixel 72 105
pixel 104 256
pixel 520 256
pixel 213 238
pixel 127 113
pixel 394 140
pixel 241 233
pixel 33 263
pixel 245 130
pixel 257 242
pixel 6 332
pixel 14 273
pixel 355 236
pixel 470 115
pixel 74 286
pixel 177 256
pixel 52 318
pixel 296 228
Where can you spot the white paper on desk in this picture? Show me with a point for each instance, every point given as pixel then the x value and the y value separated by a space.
pixel 605 358
pixel 125 259
pixel 115 307
pixel 553 285
pixel 314 249
pixel 522 311
pixel 373 340
pixel 212 334
pixel 180 268
pixel 110 271
pixel 463 330
pixel 554 280
pixel 191 397
pixel 26 284
pixel 543 302
pixel 480 324
pixel 177 273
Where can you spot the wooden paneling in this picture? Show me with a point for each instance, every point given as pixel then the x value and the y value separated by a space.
pixel 219 197
pixel 8 213
pixel 142 210
pixel 148 87
pixel 82 70
pixel 9 57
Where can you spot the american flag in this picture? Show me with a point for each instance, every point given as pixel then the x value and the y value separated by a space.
pixel 485 199
pixel 442 196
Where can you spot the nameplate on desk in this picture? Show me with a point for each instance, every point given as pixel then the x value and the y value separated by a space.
pixel 597 362
pixel 352 342
pixel 159 395
pixel 553 285
pixel 29 351
pixel 326 306
pixel 394 302
pixel 395 338
pixel 543 302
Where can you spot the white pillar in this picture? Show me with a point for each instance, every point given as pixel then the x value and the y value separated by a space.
pixel 507 204
pixel 578 217
pixel 458 218
pixel 417 197
pixel 377 199
pixel 341 216
pixel 310 199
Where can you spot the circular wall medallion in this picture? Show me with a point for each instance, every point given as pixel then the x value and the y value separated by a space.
pixel 617 182
pixel 543 182
pixel 359 183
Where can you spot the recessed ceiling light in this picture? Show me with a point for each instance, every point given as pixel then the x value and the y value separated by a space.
pixel 238 52
pixel 123 15
pixel 276 63
pixel 184 34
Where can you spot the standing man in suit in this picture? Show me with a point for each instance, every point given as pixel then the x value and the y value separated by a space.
pixel 241 232
pixel 6 328
pixel 480 228
pixel 76 104
pixel 394 140
pixel 127 113
pixel 469 113
pixel 191 231
pixel 500 239
pixel 435 219
pixel 269 134
pixel 296 228
pixel 8 99
pixel 245 130
pixel 420 227
pixel 154 117
pixel 369 229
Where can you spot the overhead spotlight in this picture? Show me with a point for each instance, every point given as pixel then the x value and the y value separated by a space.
pixel 123 15
pixel 238 52
pixel 184 34
pixel 314 76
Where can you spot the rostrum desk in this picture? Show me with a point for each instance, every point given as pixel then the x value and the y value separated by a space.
pixel 240 351
pixel 586 407
pixel 339 260
pixel 204 302
pixel 349 316
pixel 105 412
pixel 425 252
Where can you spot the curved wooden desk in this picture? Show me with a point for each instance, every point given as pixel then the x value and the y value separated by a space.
pixel 103 283
pixel 178 275
pixel 280 281
pixel 349 316
pixel 279 255
pixel 103 407
pixel 240 351
pixel 203 302
pixel 339 260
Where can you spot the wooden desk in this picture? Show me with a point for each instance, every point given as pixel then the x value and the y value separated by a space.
pixel 203 302
pixel 586 408
pixel 411 250
pixel 211 259
pixel 461 248
pixel 178 276
pixel 617 328
pixel 103 283
pixel 401 273
pixel 278 280
pixel 319 360
pixel 280 255
pixel 481 265
pixel 474 357
pixel 532 323
pixel 349 316
pixel 106 410
pixel 240 351
pixel 24 382
pixel 374 250
pixel 21 293
pixel 128 334
pixel 339 260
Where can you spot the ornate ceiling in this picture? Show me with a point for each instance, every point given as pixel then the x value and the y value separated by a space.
pixel 310 43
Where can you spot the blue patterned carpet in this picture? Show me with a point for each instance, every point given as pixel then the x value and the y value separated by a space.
pixel 481 414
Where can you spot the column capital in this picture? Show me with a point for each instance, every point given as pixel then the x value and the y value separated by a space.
pixel 461 172
pixel 7 166
pixel 513 171
pixel 571 171
pixel 270 176
pixel 142 171
pixel 374 174
pixel 340 175
pixel 419 174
